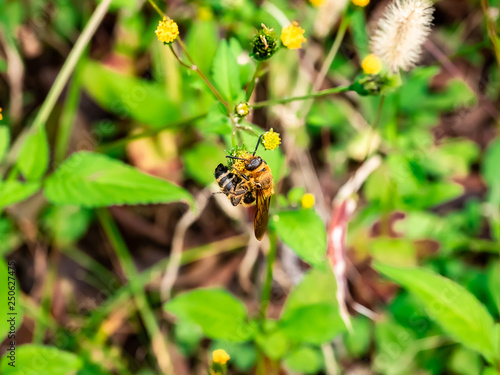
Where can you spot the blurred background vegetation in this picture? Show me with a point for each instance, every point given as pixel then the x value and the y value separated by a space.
pixel 123 277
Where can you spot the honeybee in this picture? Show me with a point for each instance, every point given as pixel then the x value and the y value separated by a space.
pixel 253 184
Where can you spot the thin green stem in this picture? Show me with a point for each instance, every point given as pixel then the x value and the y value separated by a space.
pixel 266 291
pixel 318 94
pixel 70 64
pixel 375 124
pixel 178 58
pixel 253 82
pixel 158 342
pixel 67 119
pixel 333 51
pixel 155 7
pixel 490 26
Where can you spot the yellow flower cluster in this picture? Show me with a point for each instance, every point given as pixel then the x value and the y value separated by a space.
pixel 167 30
pixel 371 64
pixel 361 3
pixel 240 164
pixel 220 356
pixel 292 36
pixel 271 140
pixel 308 200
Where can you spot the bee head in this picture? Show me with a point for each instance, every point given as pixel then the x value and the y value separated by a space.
pixel 253 163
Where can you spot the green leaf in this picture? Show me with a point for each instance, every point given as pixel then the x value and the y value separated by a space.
pixel 394 251
pixel 304 232
pixel 14 191
pixel 93 180
pixel 226 73
pixel 490 171
pixel 33 159
pixel 41 360
pixel 67 223
pixel 201 161
pixel 201 41
pixel 315 295
pixel 4 141
pixel 124 95
pixel 217 312
pixel 458 312
pixel 358 342
pixel 11 298
pixel 274 344
pixel 304 360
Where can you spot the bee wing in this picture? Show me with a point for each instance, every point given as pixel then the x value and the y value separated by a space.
pixel 262 215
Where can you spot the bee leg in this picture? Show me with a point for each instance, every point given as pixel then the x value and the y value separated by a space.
pixel 242 175
pixel 237 196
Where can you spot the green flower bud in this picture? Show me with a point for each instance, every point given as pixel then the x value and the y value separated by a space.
pixel 375 84
pixel 242 109
pixel 264 44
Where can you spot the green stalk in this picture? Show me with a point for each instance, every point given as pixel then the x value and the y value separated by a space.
pixel 253 82
pixel 490 26
pixel 158 342
pixel 266 290
pixel 67 119
pixel 70 64
pixel 318 94
pixel 375 124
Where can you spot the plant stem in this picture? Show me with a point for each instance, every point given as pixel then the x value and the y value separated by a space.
pixel 158 342
pixel 253 82
pixel 70 63
pixel 193 66
pixel 318 94
pixel 375 124
pixel 67 119
pixel 266 291
pixel 333 51
pixel 492 34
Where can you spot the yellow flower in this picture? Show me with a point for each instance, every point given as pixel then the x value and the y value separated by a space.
pixel 361 3
pixel 167 30
pixel 220 356
pixel 242 109
pixel 307 200
pixel 371 64
pixel 292 36
pixel 317 3
pixel 271 140
pixel 240 164
pixel 1 116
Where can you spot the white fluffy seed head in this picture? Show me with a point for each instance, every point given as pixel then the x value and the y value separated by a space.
pixel 401 31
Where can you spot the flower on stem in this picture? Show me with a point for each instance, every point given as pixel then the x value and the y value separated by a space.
pixel 371 64
pixel 220 356
pixel 401 31
pixel 271 140
pixel 242 109
pixel 167 30
pixel 292 36
pixel 375 84
pixel 239 152
pixel 264 44
pixel 361 3
pixel 308 201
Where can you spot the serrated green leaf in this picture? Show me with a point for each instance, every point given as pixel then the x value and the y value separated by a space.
pixel 226 73
pixel 304 232
pixel 10 300
pixel 124 95
pixel 41 360
pixel 14 191
pixel 458 312
pixel 33 159
pixel 216 311
pixel 92 180
pixel 4 141
pixel 201 161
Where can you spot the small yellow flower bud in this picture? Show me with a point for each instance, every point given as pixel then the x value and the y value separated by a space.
pixel 371 64
pixel 220 356
pixel 242 109
pixel 317 3
pixel 307 200
pixel 271 140
pixel 292 36
pixel 1 116
pixel 361 3
pixel 167 31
